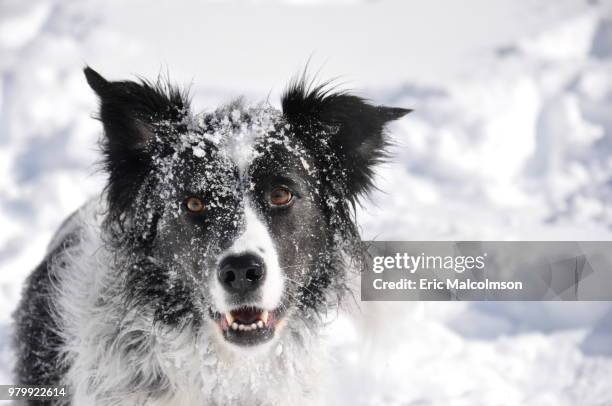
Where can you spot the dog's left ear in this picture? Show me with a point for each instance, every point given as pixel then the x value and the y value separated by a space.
pixel 358 128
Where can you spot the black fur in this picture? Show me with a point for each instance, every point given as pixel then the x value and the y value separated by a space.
pixel 133 113
pixel 149 285
pixel 359 140
pixel 37 338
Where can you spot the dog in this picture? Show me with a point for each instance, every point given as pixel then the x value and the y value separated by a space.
pixel 203 272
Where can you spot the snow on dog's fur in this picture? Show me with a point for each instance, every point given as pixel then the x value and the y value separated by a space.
pixel 202 273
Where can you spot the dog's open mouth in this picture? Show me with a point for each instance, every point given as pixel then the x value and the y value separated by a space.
pixel 247 325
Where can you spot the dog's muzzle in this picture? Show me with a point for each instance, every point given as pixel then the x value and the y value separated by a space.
pixel 242 278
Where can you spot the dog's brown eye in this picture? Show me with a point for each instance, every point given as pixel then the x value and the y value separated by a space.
pixel 194 204
pixel 280 197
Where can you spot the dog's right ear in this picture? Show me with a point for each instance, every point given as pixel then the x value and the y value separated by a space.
pixel 130 111
pixel 138 120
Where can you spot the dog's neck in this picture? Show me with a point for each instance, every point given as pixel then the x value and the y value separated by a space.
pixel 286 369
pixel 188 368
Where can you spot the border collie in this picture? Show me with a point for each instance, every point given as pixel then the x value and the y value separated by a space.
pixel 203 272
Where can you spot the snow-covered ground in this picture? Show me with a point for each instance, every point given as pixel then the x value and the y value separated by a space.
pixel 511 138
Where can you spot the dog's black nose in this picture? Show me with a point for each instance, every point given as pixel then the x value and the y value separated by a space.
pixel 241 273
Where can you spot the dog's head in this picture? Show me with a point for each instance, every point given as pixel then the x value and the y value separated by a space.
pixel 238 219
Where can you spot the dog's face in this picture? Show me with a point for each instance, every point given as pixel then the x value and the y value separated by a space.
pixel 238 220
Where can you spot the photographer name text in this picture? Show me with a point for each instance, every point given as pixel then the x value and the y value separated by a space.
pixel 456 264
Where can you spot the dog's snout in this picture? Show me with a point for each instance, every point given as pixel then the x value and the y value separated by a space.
pixel 241 274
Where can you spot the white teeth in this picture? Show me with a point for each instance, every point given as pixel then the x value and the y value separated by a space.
pixel 247 327
pixel 236 325
pixel 229 318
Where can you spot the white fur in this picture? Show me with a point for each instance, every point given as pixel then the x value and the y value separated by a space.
pixel 197 368
pixel 255 239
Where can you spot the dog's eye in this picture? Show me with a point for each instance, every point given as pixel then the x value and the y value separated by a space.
pixel 280 197
pixel 194 204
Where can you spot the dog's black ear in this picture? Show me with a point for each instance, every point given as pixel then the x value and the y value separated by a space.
pixel 358 127
pixel 137 118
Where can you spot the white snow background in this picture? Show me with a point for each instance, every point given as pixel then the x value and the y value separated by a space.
pixel 511 139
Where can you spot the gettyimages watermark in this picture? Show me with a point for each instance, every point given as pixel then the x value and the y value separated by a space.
pixel 475 270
